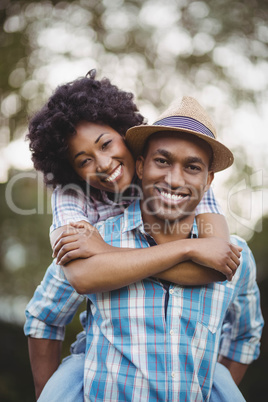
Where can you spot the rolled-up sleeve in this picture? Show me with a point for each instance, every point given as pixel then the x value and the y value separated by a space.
pixel 52 306
pixel 242 328
pixel 71 205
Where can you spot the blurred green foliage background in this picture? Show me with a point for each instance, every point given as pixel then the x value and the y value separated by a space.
pixel 216 50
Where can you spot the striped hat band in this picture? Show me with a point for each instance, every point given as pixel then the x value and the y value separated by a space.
pixel 184 122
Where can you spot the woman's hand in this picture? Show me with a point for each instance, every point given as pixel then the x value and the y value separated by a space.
pixel 79 240
pixel 216 253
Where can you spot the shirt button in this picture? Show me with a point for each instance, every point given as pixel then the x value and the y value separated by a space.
pixel 171 291
pixel 172 374
pixel 171 332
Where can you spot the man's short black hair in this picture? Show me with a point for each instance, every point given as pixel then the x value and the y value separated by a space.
pixel 84 99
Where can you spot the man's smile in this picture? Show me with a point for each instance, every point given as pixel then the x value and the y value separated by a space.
pixel 171 196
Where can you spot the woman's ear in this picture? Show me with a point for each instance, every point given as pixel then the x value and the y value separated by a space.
pixel 139 167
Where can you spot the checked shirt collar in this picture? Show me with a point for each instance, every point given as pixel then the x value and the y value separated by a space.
pixel 132 220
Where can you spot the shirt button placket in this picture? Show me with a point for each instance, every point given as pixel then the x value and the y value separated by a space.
pixel 171 291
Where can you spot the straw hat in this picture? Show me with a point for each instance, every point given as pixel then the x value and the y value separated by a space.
pixel 186 116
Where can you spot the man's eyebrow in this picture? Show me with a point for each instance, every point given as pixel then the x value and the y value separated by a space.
pixel 167 154
pixel 163 152
pixel 95 142
pixel 195 159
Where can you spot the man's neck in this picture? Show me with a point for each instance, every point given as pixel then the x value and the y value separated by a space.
pixel 164 231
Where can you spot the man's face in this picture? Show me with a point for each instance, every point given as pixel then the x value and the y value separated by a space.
pixel 174 175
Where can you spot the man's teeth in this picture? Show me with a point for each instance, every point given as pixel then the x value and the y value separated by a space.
pixel 173 197
pixel 115 174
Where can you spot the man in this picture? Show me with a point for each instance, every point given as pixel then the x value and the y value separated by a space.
pixel 150 339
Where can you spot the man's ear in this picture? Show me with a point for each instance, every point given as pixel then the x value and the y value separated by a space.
pixel 209 180
pixel 139 166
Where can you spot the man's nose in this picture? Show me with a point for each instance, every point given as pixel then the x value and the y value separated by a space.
pixel 104 163
pixel 175 177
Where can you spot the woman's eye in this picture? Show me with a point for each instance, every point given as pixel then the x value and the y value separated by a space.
pixel 84 162
pixel 105 144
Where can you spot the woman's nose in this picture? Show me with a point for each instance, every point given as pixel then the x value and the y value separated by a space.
pixel 103 163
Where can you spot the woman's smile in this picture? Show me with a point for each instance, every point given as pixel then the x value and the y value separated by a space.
pixel 116 174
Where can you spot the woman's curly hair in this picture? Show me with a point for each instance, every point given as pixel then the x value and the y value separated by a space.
pixel 84 99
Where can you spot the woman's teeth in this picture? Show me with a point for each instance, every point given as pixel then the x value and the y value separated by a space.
pixel 115 174
pixel 173 197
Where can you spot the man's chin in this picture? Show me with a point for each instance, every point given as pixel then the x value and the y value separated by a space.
pixel 179 212
pixel 174 217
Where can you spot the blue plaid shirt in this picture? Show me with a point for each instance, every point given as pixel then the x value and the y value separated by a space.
pixel 140 350
pixel 73 205
pixel 147 341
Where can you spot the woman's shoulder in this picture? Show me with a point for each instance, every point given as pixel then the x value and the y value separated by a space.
pixel 70 193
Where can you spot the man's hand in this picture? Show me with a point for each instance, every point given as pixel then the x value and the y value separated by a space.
pixel 216 253
pixel 45 355
pixel 79 240
pixel 236 369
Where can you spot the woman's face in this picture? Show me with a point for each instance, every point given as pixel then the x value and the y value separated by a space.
pixel 100 156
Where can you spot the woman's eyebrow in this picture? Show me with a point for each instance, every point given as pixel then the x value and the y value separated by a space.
pixel 99 137
pixel 95 142
pixel 79 153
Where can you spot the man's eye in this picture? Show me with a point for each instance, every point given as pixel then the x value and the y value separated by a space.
pixel 161 161
pixel 105 144
pixel 194 167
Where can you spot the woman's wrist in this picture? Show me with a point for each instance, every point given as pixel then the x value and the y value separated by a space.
pixel 189 248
